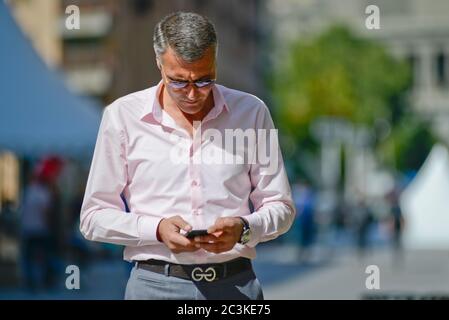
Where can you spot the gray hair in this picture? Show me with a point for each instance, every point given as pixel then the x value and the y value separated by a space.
pixel 188 34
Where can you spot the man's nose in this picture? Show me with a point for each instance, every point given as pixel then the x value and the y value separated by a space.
pixel 191 92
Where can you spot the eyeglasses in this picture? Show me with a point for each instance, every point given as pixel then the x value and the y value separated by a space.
pixel 183 84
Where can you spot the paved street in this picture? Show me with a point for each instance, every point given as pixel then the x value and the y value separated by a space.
pixel 418 275
pixel 106 279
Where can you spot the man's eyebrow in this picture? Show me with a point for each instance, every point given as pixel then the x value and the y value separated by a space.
pixel 176 79
pixel 206 77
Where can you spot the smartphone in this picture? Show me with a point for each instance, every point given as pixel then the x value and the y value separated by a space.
pixel 193 233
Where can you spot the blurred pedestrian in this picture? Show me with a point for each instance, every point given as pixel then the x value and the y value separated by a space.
pixel 40 213
pixel 35 233
pixel 304 197
pixel 79 251
pixel 365 220
pixel 397 223
pixel 9 220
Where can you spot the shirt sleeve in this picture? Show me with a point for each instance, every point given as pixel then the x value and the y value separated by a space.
pixel 271 196
pixel 103 217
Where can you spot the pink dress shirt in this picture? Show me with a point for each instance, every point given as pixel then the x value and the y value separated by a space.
pixel 133 155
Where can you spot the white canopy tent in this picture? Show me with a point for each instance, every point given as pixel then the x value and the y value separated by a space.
pixel 38 115
pixel 425 204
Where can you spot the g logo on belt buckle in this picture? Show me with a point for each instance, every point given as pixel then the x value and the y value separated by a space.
pixel 209 275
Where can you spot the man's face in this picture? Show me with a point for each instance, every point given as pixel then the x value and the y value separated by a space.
pixel 190 99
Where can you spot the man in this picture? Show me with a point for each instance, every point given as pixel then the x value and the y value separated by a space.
pixel 139 154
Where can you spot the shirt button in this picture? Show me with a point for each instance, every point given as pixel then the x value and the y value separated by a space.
pixel 195 212
pixel 194 183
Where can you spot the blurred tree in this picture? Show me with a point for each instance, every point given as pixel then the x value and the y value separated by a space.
pixel 408 146
pixel 340 75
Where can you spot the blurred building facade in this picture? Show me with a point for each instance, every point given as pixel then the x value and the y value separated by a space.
pixel 237 27
pixel 39 22
pixel 416 30
pixel 112 53
pixel 109 56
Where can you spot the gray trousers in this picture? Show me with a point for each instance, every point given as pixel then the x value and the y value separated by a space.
pixel 148 285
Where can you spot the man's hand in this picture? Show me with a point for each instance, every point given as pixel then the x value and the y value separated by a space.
pixel 223 235
pixel 169 233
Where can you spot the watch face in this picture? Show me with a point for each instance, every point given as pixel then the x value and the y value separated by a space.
pixel 245 236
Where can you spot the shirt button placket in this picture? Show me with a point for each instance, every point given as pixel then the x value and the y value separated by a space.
pixel 195 185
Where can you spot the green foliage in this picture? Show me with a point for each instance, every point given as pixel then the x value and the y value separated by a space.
pixel 408 146
pixel 336 74
pixel 341 75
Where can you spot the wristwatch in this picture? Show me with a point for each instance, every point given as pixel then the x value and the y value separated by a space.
pixel 246 233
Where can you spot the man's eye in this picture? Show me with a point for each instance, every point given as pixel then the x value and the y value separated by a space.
pixel 178 84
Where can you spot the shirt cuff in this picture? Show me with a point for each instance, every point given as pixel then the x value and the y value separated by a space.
pixel 147 227
pixel 255 222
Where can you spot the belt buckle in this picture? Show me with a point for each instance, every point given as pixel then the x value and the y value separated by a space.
pixel 198 274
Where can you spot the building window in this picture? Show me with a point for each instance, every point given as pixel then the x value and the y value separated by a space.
pixel 412 60
pixel 141 7
pixel 441 70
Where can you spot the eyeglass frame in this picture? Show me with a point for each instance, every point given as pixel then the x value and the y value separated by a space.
pixel 172 83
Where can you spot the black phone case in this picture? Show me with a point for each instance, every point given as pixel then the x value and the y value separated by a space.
pixel 194 233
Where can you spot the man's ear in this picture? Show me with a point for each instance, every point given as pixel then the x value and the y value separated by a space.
pixel 158 63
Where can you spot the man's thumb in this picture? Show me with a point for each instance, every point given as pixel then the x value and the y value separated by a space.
pixel 182 224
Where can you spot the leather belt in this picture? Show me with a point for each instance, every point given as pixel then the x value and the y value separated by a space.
pixel 197 272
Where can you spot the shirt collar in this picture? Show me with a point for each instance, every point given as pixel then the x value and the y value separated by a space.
pixel 153 109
